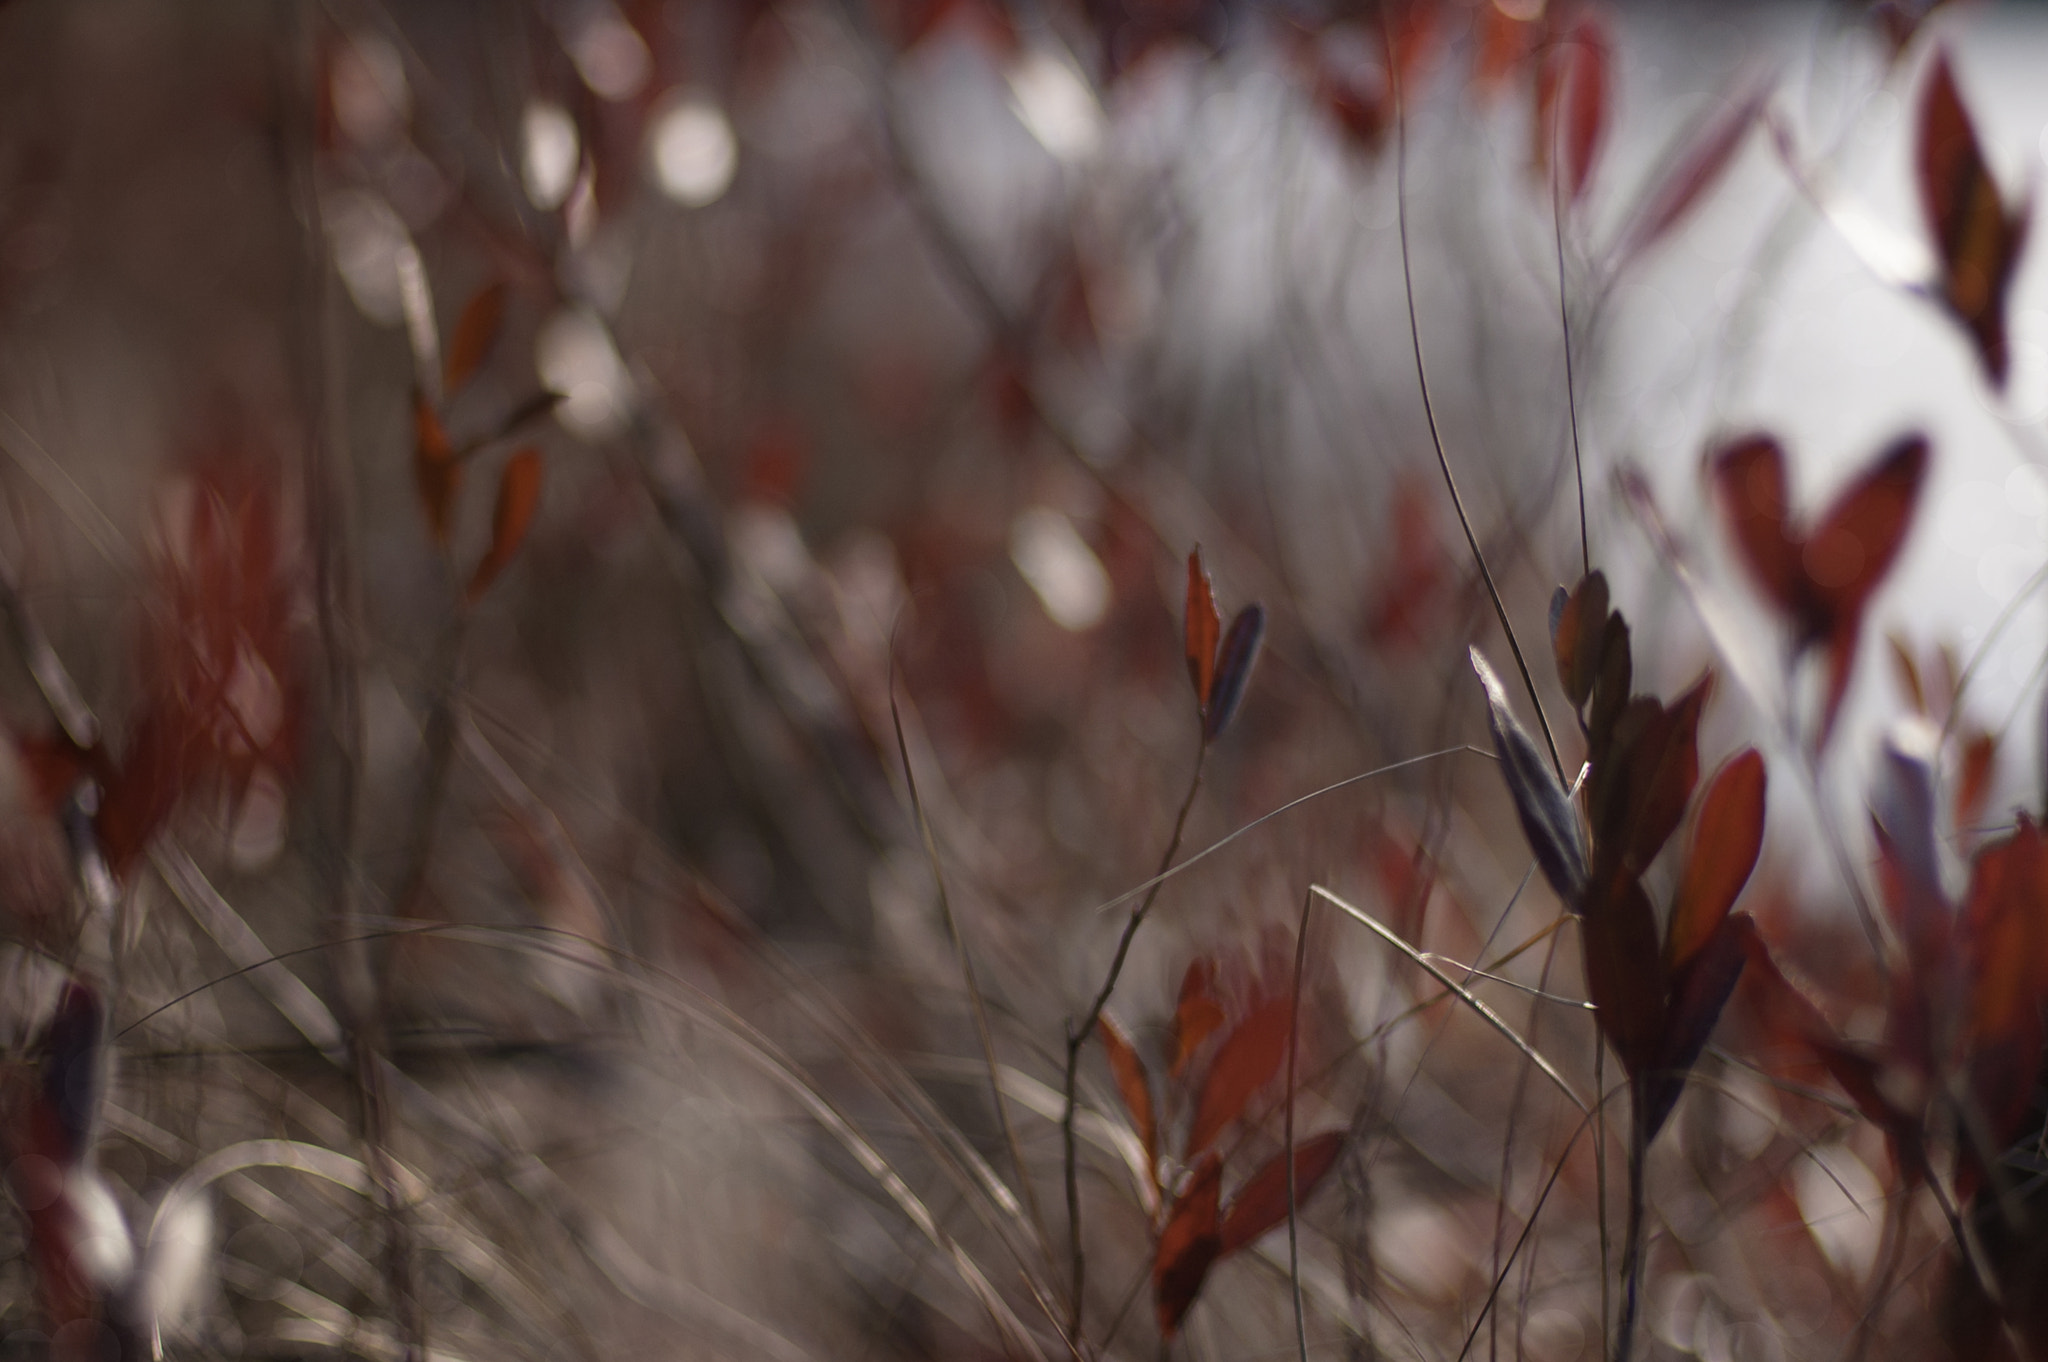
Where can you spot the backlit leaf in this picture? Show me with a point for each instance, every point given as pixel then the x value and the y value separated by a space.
pixel 1244 1063
pixel 1728 832
pixel 1977 240
pixel 1204 626
pixel 518 495
pixel 436 469
pixel 475 330
pixel 1136 1090
pixel 1198 1013
pixel 2006 913
pixel 1587 89
pixel 1540 801
pixel 1692 171
pixel 1625 969
pixel 1262 1202
pixel 1749 482
pixel 1699 991
pixel 1577 632
pixel 1188 1246
pixel 1234 663
pixel 1973 781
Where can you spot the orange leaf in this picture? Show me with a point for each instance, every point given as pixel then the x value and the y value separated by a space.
pixel 518 495
pixel 1198 1013
pixel 1204 628
pixel 475 330
pixel 436 469
pixel 1977 240
pixel 1188 1246
pixel 1727 833
pixel 1262 1202
pixel 1246 1062
pixel 1133 1086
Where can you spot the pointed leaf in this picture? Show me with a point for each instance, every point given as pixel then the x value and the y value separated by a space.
pixel 1188 1246
pixel 1749 482
pixel 1136 1090
pixel 1577 633
pixel 475 330
pixel 1727 834
pixel 1908 673
pixel 1203 627
pixel 1262 1202
pixel 1977 241
pixel 436 470
pixel 518 495
pixel 1234 663
pixel 1245 1063
pixel 1644 776
pixel 1586 94
pixel 1625 969
pixel 1854 544
pixel 1198 1013
pixel 1699 991
pixel 2006 916
pixel 1540 802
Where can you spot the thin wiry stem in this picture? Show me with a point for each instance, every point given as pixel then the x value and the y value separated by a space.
pixel 1436 436
pixel 1078 1037
pixel 1308 903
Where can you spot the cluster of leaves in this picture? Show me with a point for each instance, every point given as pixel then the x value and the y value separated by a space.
pixel 1223 1066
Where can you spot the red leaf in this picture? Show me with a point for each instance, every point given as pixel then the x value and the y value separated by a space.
pixel 1203 627
pixel 1749 480
pixel 436 469
pixel 1577 632
pixel 1852 547
pixel 1728 832
pixel 1973 783
pixel 1625 969
pixel 1585 100
pixel 1699 991
pixel 475 330
pixel 1693 171
pixel 1246 1062
pixel 1262 1202
pixel 1977 240
pixel 2006 914
pixel 1134 1087
pixel 1198 1013
pixel 1188 1246
pixel 518 495
pixel 1504 42
pixel 1643 777
pixel 1234 663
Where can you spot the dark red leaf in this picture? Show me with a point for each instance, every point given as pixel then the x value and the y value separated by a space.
pixel 518 496
pixel 1699 991
pixel 1727 834
pixel 1853 546
pixel 1540 801
pixel 1204 626
pixel 1234 663
pixel 1586 93
pixel 1749 481
pixel 2006 916
pixel 1136 1090
pixel 1188 1246
pixel 1625 969
pixel 1643 777
pixel 1262 1202
pixel 1977 240
pixel 1577 632
pixel 1973 782
pixel 1244 1063
pixel 436 469
pixel 475 330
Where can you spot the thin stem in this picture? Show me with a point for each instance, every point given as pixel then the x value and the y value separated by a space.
pixel 1308 903
pixel 1078 1036
pixel 1436 440
pixel 1632 1241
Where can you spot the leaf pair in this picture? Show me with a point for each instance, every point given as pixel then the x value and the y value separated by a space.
pixel 1977 239
pixel 1820 576
pixel 438 463
pixel 1220 671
